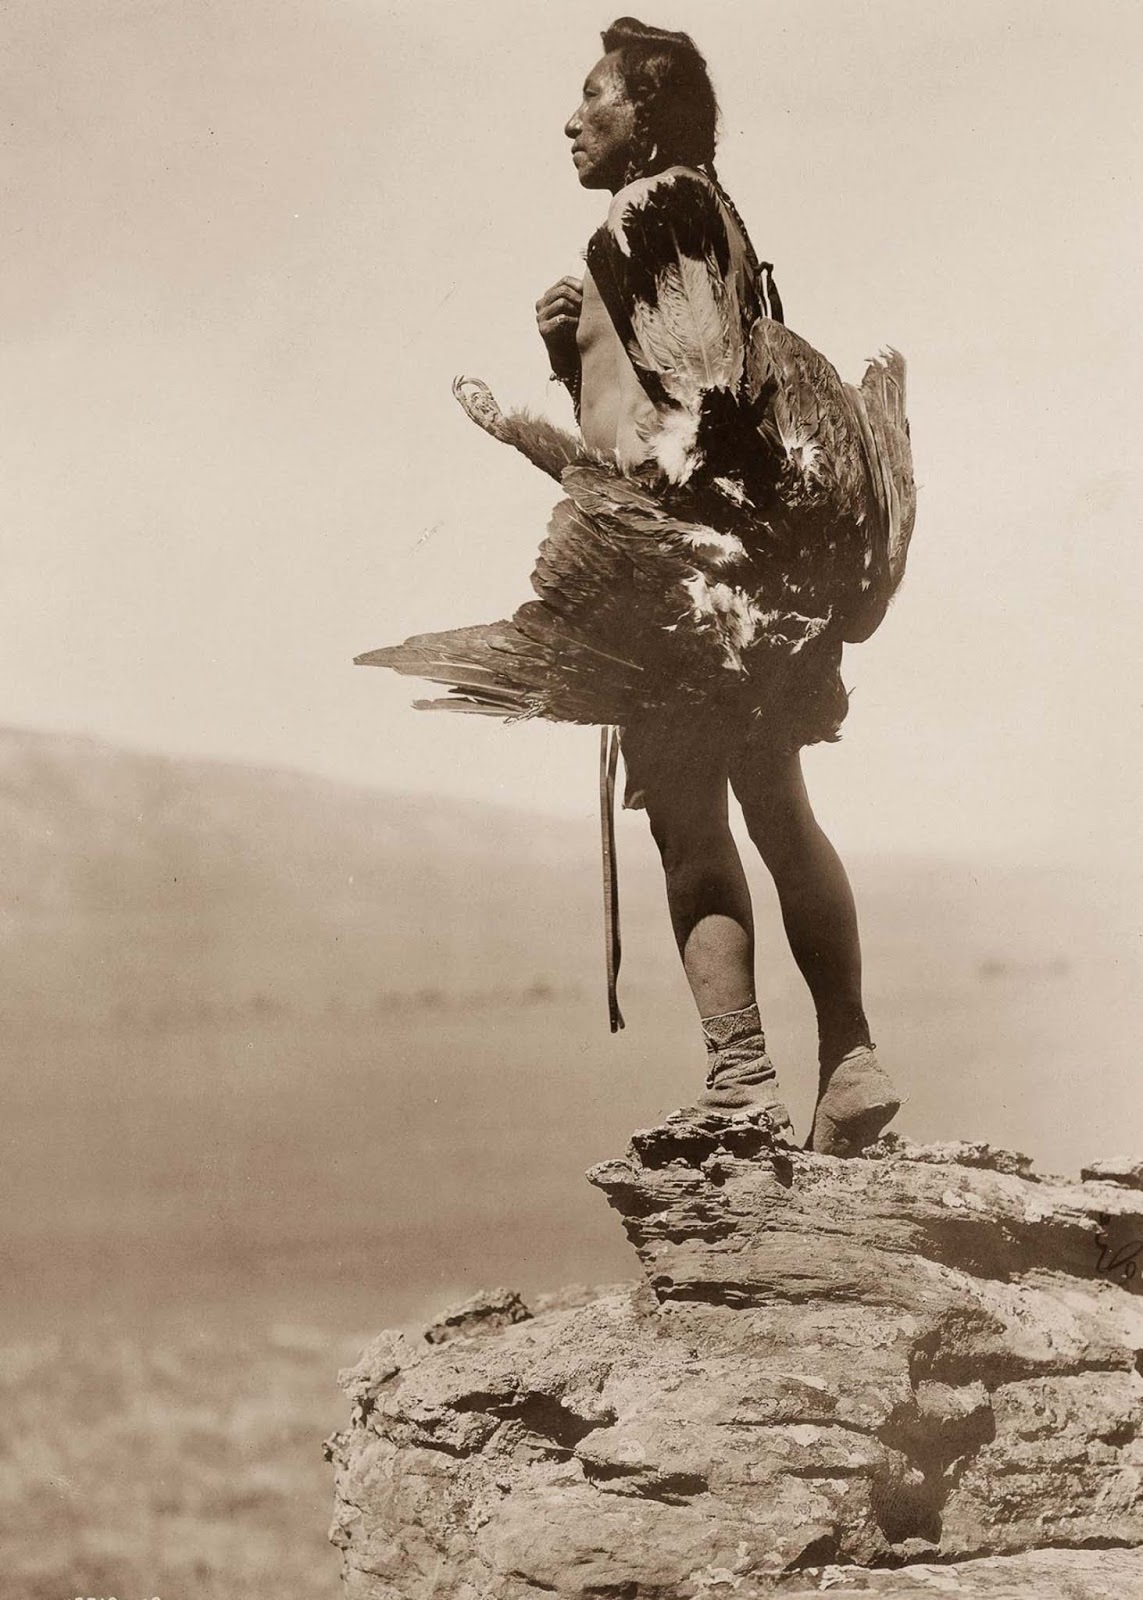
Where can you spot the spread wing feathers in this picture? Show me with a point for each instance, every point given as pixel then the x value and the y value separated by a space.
pixel 636 606
pixel 880 430
pixel 516 669
pixel 489 657
pixel 570 653
pixel 826 533
pixel 682 597
pixel 537 664
pixel 883 390
pixel 610 525
pixel 807 420
pixel 550 448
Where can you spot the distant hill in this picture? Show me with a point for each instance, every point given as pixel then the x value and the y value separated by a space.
pixel 140 884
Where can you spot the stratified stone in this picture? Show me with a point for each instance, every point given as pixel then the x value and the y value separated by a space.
pixel 833 1370
pixel 482 1313
pixel 1035 1575
pixel 1115 1169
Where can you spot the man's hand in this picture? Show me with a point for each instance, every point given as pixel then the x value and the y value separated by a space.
pixel 557 317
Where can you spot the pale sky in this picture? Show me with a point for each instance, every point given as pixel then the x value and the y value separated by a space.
pixel 250 242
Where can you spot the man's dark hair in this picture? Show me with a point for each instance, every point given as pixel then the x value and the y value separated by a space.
pixel 667 82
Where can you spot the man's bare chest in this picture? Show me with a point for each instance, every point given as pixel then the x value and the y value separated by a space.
pixel 613 405
pixel 596 337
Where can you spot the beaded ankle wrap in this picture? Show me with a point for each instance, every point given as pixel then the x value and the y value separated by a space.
pixel 734 1040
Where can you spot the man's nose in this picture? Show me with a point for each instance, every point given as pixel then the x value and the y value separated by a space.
pixel 573 125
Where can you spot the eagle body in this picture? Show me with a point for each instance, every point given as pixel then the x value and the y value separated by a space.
pixel 767 524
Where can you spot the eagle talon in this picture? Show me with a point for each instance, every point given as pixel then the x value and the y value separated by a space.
pixel 481 405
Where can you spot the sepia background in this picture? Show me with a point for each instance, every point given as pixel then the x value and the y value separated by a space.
pixel 302 1005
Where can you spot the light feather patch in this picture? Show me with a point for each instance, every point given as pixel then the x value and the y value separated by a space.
pixel 691 338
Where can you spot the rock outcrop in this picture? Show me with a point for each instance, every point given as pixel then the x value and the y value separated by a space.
pixel 916 1372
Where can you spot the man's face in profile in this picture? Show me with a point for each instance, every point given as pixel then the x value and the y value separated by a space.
pixel 603 128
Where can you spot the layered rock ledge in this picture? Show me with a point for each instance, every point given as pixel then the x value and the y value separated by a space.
pixel 919 1371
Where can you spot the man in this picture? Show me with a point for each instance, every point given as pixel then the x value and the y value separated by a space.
pixel 645 132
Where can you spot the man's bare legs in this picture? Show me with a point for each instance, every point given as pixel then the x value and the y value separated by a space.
pixel 685 791
pixel 683 780
pixel 856 1098
pixel 707 894
pixel 817 904
pixel 683 777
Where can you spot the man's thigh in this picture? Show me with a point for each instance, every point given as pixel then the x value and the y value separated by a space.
pixel 681 751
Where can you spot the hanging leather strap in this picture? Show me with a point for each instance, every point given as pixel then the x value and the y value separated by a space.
pixel 608 760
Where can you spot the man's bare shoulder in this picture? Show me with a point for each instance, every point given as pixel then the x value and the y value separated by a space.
pixel 654 219
pixel 682 181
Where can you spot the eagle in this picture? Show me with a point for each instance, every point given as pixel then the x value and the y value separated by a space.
pixel 768 525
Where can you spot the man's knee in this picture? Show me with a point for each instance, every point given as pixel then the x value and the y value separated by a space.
pixel 763 776
pixel 767 794
pixel 688 840
pixel 778 817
